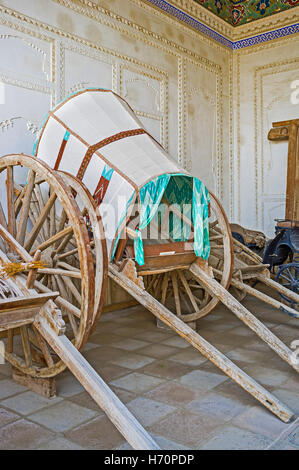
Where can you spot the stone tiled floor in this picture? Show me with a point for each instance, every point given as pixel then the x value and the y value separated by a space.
pixel 181 398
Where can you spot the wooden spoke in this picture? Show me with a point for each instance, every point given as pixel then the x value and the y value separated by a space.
pixel 51 241
pixel 183 297
pixel 73 323
pixel 70 285
pixel 22 226
pixel 216 237
pixel 2 217
pixel 176 293
pixel 67 254
pixel 39 223
pixel 61 224
pixel 34 213
pixel 60 301
pixel 64 243
pixel 188 290
pixel 68 267
pixel 23 253
pixel 164 288
pixel 60 272
pixel 26 346
pixel 10 337
pixel 11 218
pixel 44 348
pixel 53 220
pixel 40 199
pixel 213 224
pixel 18 202
pixel 33 273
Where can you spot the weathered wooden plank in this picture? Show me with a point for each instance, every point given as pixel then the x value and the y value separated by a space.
pixel 36 300
pixel 43 386
pixel 279 133
pixel 124 421
pixel 292 195
pixel 275 285
pixel 22 225
pixel 265 298
pixel 244 315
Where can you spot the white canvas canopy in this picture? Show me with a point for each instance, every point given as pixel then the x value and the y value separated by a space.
pixel 95 135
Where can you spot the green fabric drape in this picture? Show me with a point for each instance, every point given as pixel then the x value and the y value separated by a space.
pixel 190 198
pixel 179 194
pixel 150 197
pixel 200 212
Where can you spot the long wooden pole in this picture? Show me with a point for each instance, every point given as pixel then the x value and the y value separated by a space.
pixel 243 314
pixel 122 418
pixel 265 298
pixel 275 285
pixel 198 342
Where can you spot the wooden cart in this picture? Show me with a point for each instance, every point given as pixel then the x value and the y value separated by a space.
pixel 55 219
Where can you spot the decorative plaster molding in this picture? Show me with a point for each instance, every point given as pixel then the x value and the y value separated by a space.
pixel 216 102
pixel 35 48
pixel 9 123
pixel 61 40
pixel 29 85
pixel 162 115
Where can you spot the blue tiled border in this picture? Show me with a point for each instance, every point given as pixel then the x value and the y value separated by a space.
pixel 258 39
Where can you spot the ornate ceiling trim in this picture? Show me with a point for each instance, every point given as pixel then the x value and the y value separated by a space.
pixel 280 25
pixel 244 12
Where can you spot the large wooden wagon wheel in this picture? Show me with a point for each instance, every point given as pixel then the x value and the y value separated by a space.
pixel 44 222
pixel 90 211
pixel 180 291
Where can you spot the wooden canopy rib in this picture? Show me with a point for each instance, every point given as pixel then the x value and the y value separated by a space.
pixel 109 140
pixel 74 134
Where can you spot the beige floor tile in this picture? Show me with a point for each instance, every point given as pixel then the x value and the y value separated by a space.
pixel 185 427
pixel 22 434
pixel 99 433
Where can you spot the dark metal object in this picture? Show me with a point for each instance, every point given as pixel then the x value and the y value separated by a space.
pixel 288 276
pixel 284 247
